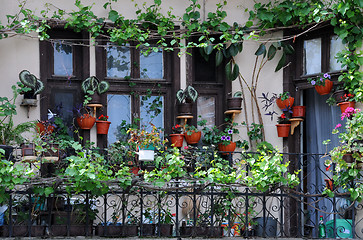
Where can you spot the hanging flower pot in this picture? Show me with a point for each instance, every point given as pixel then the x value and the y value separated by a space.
pixel 324 90
pixel 283 130
pixel 285 101
pixel 298 111
pixel 86 121
pixel 227 148
pixel 344 105
pixel 193 137
pixel 176 140
pixel 102 127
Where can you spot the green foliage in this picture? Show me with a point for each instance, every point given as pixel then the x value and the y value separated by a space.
pixel 189 94
pixel 87 172
pixel 11 175
pixel 9 132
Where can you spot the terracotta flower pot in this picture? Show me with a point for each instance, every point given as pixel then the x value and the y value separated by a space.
pixel 193 138
pixel 298 111
pixel 86 121
pixel 283 130
pixel 323 90
pixel 102 127
pixel 42 130
pixel 176 140
pixel 227 148
pixel 344 105
pixel 285 103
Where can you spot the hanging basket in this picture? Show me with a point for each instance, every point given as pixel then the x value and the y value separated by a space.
pixel 285 103
pixel 102 127
pixel 193 138
pixel 176 140
pixel 86 121
pixel 227 149
pixel 344 105
pixel 324 90
pixel 283 130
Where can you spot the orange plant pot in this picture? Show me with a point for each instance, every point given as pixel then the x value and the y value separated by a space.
pixel 286 103
pixel 41 129
pixel 324 90
pixel 193 138
pixel 344 105
pixel 298 111
pixel 102 127
pixel 176 140
pixel 227 148
pixel 86 121
pixel 283 130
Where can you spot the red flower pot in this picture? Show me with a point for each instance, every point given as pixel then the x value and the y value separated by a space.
pixel 227 148
pixel 193 138
pixel 176 140
pixel 283 130
pixel 102 127
pixel 323 90
pixel 86 121
pixel 344 105
pixel 298 111
pixel 41 128
pixel 286 103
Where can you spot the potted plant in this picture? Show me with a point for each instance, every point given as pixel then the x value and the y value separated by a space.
pixel 145 142
pixel 234 102
pixel 84 119
pixel 192 134
pixel 102 124
pixel 285 101
pixel 177 138
pixel 347 101
pixel 283 126
pixel 186 98
pixel 31 86
pixel 93 88
pixel 322 83
pixel 10 133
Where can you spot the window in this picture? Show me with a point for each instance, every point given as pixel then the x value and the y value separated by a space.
pixel 64 64
pixel 211 85
pixel 142 86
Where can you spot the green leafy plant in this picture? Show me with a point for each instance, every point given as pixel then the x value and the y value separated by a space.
pixel 31 81
pixel 189 129
pixel 189 94
pixel 284 96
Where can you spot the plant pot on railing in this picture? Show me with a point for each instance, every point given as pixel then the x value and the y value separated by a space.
pixel 176 140
pixel 192 137
pixel 227 149
pixel 102 127
pixel 116 230
pixel 344 105
pixel 165 230
pixel 283 130
pixel 86 121
pixel 147 229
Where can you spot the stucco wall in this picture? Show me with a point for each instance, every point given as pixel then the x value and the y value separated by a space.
pixel 18 53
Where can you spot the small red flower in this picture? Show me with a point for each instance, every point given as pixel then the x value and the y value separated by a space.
pixel 283 115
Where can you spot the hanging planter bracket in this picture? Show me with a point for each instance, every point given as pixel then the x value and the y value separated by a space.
pixel 294 123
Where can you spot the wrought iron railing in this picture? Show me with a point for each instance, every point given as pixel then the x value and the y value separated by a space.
pixel 188 209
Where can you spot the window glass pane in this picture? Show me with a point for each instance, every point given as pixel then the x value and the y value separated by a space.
pixel 206 109
pixel 64 103
pixel 336 46
pixel 118 62
pixel 312 56
pixel 63 59
pixel 151 66
pixel 118 109
pixel 151 112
